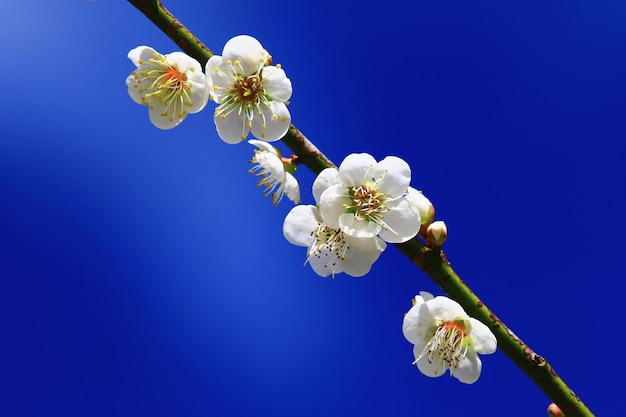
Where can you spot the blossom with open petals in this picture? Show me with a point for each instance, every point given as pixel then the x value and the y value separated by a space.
pixel 250 94
pixel 369 199
pixel 445 337
pixel 330 251
pixel 276 180
pixel 171 85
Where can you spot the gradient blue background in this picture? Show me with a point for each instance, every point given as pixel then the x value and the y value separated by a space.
pixel 142 274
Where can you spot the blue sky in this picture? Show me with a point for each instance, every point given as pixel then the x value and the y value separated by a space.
pixel 142 273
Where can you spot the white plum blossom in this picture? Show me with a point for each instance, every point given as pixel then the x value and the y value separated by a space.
pixel 269 166
pixel 368 198
pixel 171 85
pixel 251 95
pixel 330 251
pixel 445 337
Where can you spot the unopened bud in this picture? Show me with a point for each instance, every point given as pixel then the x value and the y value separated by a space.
pixel 423 206
pixel 555 411
pixel 436 234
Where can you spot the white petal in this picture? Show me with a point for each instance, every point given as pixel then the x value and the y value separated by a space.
pixel 423 205
pixel 199 94
pixel 324 263
pixel 272 123
pixel 232 128
pixel 433 368
pixel 360 228
pixel 355 169
pixel 419 325
pixel 367 245
pixel 446 309
pixel 483 340
pixel 142 54
pixel 163 122
pixel 199 91
pixel 133 90
pixel 292 188
pixel 331 203
pixel 276 83
pixel 218 79
pixel 425 296
pixel 468 369
pixel 299 223
pixel 357 263
pixel 263 146
pixel 248 51
pixel 393 175
pixel 272 164
pixel 183 62
pixel 324 179
pixel 214 62
pixel 403 225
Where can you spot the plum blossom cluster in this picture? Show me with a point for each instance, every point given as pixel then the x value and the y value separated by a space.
pixel 360 207
pixel 250 93
pixel 251 96
pixel 446 338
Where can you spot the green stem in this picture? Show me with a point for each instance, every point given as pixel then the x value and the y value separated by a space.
pixel 308 154
pixel 164 20
pixel 432 262
pixel 435 264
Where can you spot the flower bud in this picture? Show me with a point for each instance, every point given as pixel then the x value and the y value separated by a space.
pixel 436 234
pixel 555 411
pixel 423 206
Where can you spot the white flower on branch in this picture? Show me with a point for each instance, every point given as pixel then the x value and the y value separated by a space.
pixel 330 251
pixel 172 85
pixel 369 199
pixel 251 95
pixel 277 181
pixel 445 337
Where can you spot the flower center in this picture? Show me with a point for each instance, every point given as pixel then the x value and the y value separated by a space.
pixel 174 78
pixel 249 89
pixel 164 80
pixel 164 84
pixel 367 203
pixel 448 345
pixel 331 240
pixel 170 89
